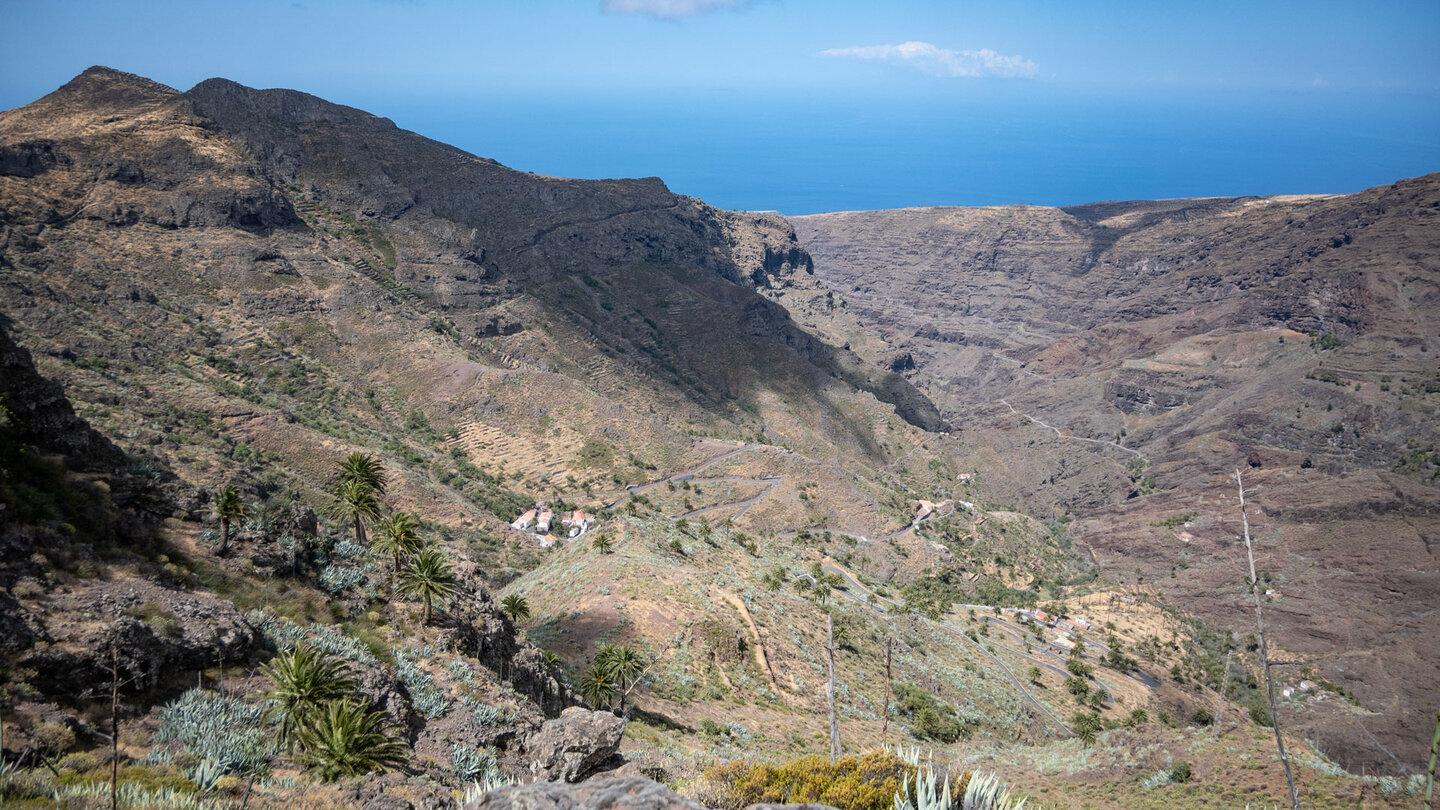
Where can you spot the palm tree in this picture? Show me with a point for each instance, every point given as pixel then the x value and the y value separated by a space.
pixel 366 470
pixel 821 592
pixel 597 687
pixel 1087 727
pixel 602 543
pixel 344 738
pixel 304 680
pixel 624 665
pixel 429 578
pixel 398 536
pixel 228 507
pixel 357 502
pixel 516 607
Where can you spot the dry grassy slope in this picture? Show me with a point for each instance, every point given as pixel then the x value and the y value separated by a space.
pixel 1095 353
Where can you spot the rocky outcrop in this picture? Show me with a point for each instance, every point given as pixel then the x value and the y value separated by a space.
pixel 483 632
pixel 36 413
pixel 632 792
pixel 158 633
pixel 571 746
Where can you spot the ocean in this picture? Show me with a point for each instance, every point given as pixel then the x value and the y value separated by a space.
pixel 803 156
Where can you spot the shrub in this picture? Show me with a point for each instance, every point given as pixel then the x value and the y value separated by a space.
pixel 868 782
pixel 1180 774
pixel 1260 716
pixel 930 718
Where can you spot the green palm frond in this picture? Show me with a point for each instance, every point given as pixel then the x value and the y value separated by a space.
pixel 356 503
pixel 429 578
pixel 597 687
pixel 515 606
pixel 303 680
pixel 364 470
pixel 398 536
pixel 344 739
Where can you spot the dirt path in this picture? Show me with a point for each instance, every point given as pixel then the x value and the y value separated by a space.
pixel 1061 434
pixel 739 606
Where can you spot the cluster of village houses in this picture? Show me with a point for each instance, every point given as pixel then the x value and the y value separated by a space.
pixel 540 519
pixel 924 509
pixel 1064 628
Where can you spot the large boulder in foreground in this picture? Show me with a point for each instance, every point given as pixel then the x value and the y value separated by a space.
pixel 624 792
pixel 572 745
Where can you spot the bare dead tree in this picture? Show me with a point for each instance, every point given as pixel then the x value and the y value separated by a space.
pixel 834 722
pixel 1220 694
pixel 1434 751
pixel 885 718
pixel 114 725
pixel 1264 652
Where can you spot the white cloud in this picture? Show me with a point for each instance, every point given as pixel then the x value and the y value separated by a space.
pixel 666 9
pixel 943 61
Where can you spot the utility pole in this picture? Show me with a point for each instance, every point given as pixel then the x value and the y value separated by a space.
pixel 885 718
pixel 834 722
pixel 1264 654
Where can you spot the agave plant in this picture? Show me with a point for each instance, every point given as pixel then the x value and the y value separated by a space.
pixel 929 791
pixel 985 792
pixel 490 780
pixel 346 739
pixel 922 796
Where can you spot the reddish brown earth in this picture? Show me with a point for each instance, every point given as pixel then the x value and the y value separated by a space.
pixel 1118 361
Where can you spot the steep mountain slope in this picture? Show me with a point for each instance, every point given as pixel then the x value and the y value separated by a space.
pixel 314 274
pixel 1121 360
pixel 246 286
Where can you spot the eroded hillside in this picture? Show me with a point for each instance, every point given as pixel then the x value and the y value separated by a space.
pixel 1122 360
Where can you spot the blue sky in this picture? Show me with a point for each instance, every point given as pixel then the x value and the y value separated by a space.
pixel 805 105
